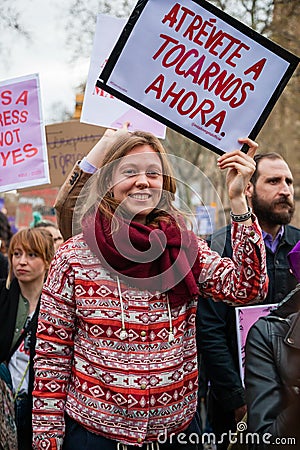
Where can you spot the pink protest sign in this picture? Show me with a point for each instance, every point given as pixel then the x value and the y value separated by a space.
pixel 246 316
pixel 23 153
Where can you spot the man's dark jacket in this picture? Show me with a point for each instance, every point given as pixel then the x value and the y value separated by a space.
pixel 3 266
pixel 272 375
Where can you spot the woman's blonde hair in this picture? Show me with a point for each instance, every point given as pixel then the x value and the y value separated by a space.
pixel 121 147
pixel 36 240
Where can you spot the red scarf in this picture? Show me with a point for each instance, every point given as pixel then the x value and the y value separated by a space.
pixel 157 259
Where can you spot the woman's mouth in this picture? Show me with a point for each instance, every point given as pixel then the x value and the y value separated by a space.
pixel 140 196
pixel 22 272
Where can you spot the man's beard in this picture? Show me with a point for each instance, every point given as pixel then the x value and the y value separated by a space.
pixel 266 213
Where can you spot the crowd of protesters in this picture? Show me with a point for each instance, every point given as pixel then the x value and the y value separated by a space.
pixel 101 335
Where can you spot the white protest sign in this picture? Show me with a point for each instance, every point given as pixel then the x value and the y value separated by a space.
pixel 101 108
pixel 197 70
pixel 23 152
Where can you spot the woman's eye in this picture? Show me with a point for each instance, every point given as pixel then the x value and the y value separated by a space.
pixel 32 255
pixel 17 254
pixel 153 173
pixel 129 172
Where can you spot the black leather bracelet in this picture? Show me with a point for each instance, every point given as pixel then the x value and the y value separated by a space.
pixel 241 217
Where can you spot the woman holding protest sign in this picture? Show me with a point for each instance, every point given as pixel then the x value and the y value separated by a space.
pixel 116 357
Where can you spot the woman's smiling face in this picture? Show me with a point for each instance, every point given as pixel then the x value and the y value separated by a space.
pixel 137 182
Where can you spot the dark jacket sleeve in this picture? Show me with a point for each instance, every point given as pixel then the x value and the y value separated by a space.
pixel 66 201
pixel 3 266
pixel 268 408
pixel 216 343
pixel 217 339
pixel 9 300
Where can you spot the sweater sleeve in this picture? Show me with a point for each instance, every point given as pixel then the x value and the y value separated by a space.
pixel 66 200
pixel 242 279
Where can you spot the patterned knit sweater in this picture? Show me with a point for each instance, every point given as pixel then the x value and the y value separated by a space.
pixel 131 389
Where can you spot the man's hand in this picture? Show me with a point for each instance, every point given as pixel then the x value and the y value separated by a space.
pixel 239 413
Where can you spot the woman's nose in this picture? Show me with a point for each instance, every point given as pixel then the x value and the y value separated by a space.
pixel 142 180
pixel 23 259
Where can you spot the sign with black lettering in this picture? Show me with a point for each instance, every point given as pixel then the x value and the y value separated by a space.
pixel 68 142
pixel 198 71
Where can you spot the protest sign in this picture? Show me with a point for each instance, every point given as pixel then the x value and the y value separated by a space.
pixel 246 316
pixel 101 108
pixel 205 219
pixel 198 70
pixel 23 153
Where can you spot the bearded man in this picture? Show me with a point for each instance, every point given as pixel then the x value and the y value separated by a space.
pixel 270 194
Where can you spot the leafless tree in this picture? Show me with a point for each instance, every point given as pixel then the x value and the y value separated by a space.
pixel 10 25
pixel 81 18
pixel 255 13
pixel 81 21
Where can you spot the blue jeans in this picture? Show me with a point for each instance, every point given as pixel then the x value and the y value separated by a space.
pixel 78 437
pixel 23 422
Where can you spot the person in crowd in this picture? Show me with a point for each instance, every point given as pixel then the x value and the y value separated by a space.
pixel 270 194
pixel 3 266
pixel 5 233
pixel 5 236
pixel 272 371
pixel 53 230
pixel 29 254
pixel 116 357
